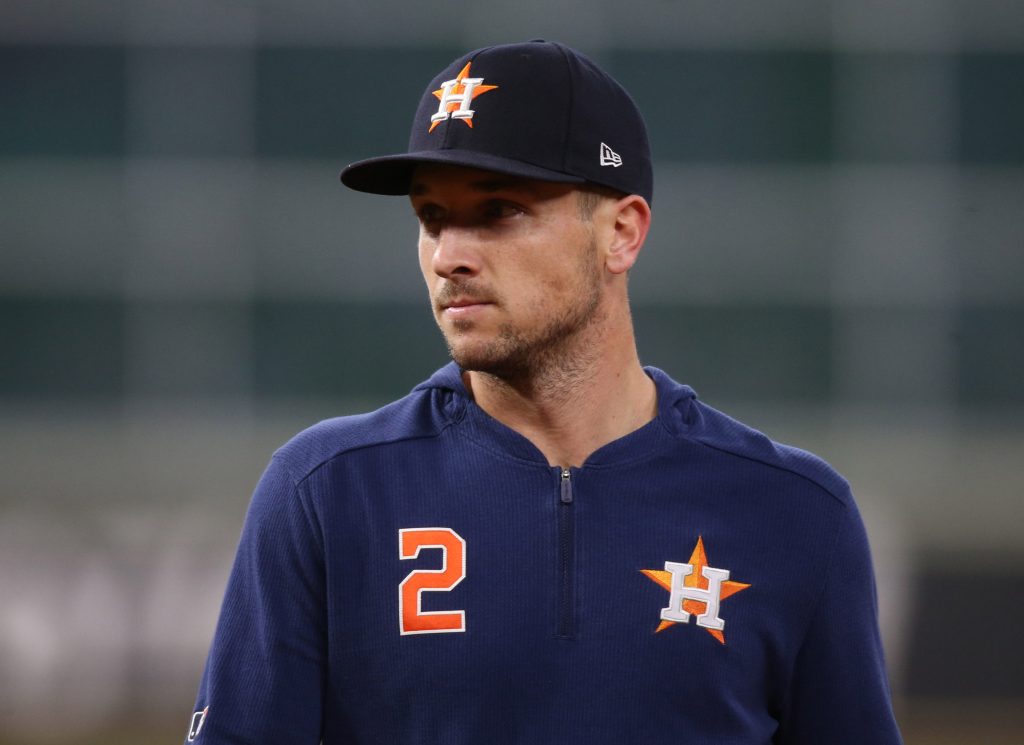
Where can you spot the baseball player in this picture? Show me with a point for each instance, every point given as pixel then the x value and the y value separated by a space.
pixel 544 542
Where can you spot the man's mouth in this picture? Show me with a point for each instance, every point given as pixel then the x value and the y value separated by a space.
pixel 463 306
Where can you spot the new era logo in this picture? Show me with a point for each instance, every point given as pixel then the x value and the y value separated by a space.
pixel 609 157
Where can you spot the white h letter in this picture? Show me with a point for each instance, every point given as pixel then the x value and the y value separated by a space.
pixel 462 99
pixel 711 597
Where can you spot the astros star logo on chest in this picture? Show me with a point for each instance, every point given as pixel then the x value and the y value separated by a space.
pixel 695 589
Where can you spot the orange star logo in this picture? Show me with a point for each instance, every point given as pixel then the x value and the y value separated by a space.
pixel 455 97
pixel 695 588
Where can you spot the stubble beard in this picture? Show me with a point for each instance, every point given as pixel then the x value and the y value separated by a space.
pixel 554 356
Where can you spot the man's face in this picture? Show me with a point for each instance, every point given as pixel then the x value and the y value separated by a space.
pixel 513 269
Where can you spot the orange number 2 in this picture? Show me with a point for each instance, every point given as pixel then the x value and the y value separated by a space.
pixel 411 618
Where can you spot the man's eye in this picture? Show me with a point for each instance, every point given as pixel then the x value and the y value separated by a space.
pixel 429 214
pixel 499 210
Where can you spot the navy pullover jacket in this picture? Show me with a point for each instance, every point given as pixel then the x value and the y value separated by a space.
pixel 420 575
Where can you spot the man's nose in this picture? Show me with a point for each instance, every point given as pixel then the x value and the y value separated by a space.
pixel 456 252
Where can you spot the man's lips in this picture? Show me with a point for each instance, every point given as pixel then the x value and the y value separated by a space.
pixel 463 306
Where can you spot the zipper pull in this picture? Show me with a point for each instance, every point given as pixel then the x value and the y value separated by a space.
pixel 566 486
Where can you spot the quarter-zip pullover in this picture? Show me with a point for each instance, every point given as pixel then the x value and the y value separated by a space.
pixel 420 575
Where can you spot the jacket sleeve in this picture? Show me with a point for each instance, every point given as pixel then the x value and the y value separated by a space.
pixel 264 676
pixel 839 687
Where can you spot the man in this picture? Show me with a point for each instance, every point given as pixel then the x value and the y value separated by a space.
pixel 544 542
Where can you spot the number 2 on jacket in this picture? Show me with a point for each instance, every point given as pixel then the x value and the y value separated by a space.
pixel 412 619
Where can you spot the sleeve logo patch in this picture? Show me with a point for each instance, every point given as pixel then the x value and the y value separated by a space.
pixel 695 588
pixel 198 720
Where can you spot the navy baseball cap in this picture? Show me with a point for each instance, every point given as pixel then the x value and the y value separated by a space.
pixel 537 109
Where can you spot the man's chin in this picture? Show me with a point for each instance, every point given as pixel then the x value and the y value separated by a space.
pixel 472 360
pixel 480 358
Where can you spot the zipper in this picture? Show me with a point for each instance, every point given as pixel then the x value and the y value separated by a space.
pixel 566 559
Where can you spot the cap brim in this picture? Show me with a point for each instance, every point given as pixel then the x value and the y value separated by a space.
pixel 392 174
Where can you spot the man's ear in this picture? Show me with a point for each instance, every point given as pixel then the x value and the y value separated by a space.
pixel 632 221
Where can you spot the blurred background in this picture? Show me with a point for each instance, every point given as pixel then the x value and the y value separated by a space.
pixel 837 258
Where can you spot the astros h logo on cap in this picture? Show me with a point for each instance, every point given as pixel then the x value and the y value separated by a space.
pixel 455 96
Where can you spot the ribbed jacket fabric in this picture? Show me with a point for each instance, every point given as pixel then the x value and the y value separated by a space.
pixel 560 640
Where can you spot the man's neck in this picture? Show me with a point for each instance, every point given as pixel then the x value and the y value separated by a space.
pixel 569 411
